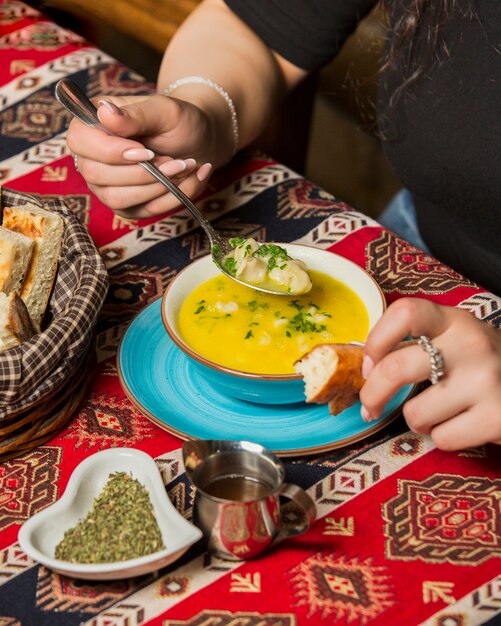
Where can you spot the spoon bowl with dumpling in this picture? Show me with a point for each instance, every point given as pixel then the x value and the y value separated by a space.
pixel 266 267
pixel 245 342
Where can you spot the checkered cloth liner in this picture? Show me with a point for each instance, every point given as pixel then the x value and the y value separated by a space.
pixel 31 371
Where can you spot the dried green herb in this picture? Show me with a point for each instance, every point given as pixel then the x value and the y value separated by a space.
pixel 121 525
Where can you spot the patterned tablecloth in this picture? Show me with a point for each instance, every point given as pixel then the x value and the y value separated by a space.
pixel 406 534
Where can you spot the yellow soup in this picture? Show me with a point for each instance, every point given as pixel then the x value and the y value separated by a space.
pixel 248 330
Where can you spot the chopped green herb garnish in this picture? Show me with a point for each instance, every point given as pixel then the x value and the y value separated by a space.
pixel 254 305
pixel 236 242
pixel 216 250
pixel 302 324
pixel 249 334
pixel 230 265
pixel 275 253
pixel 273 250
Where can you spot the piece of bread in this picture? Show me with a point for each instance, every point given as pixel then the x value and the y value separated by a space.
pixel 332 374
pixel 15 322
pixel 46 230
pixel 15 256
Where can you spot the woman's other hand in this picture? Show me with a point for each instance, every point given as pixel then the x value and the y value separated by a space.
pixel 464 408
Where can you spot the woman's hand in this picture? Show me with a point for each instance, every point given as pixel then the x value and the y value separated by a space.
pixel 464 408
pixel 182 136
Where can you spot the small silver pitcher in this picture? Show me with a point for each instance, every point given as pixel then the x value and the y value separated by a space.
pixel 237 500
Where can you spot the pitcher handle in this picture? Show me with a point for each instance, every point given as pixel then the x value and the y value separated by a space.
pixel 304 503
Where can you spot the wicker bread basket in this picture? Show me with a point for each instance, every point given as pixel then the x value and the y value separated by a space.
pixel 43 379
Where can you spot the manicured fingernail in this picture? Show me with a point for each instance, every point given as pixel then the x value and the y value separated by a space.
pixel 204 171
pixel 367 366
pixel 111 107
pixel 171 168
pixel 138 154
pixel 366 416
pixel 190 164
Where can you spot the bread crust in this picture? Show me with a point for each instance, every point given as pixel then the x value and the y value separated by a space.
pixel 15 256
pixel 333 375
pixel 19 321
pixel 45 228
pixel 16 325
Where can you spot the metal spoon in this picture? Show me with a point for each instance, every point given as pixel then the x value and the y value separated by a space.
pixel 78 104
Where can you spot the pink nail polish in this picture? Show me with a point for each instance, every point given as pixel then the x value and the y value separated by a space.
pixel 204 172
pixel 367 366
pixel 138 154
pixel 172 168
pixel 111 107
pixel 190 163
pixel 366 416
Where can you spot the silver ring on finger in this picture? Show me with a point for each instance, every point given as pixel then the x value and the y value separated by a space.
pixel 75 162
pixel 436 359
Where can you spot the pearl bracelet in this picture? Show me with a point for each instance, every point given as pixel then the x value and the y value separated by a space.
pixel 201 80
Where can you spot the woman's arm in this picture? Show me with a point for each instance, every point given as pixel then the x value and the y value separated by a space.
pixel 213 42
pixel 190 132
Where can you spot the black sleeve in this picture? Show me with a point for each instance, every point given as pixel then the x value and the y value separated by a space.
pixel 308 33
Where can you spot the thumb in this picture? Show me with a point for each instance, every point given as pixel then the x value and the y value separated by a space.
pixel 149 117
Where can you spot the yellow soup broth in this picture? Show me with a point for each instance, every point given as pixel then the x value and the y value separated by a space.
pixel 248 330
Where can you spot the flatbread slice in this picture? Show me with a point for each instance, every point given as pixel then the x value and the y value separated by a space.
pixel 46 230
pixel 15 255
pixel 332 374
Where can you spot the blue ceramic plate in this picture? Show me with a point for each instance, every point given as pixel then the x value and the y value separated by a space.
pixel 162 382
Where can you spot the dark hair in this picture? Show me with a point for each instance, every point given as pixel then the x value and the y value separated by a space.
pixel 416 41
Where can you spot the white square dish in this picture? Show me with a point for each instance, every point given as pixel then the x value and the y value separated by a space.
pixel 39 535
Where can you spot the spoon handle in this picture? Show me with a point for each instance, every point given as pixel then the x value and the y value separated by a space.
pixel 78 104
pixel 181 196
